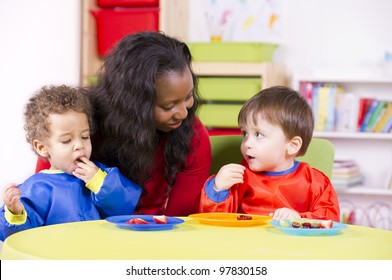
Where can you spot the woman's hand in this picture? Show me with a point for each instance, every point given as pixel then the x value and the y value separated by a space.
pixel 229 175
pixel 86 169
pixel 284 214
pixel 12 198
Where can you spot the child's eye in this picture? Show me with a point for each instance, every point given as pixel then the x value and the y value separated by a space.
pixel 86 137
pixel 258 135
pixel 66 141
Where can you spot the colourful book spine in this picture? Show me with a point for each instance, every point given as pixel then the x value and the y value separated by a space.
pixel 388 126
pixel 315 101
pixel 364 105
pixel 376 115
pixel 331 114
pixel 369 114
pixel 302 89
pixel 309 92
pixel 305 90
pixel 384 118
pixel 322 109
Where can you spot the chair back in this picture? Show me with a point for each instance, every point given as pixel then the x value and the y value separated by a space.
pixel 320 155
pixel 226 149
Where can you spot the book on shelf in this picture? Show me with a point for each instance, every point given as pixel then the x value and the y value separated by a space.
pixel 345 173
pixel 364 105
pixel 385 116
pixel 347 112
pixel 337 110
pixel 306 90
pixel 315 101
pixel 322 108
pixel 369 114
pixel 344 183
pixel 310 91
pixel 343 163
pixel 376 115
pixel 335 94
pixel 388 126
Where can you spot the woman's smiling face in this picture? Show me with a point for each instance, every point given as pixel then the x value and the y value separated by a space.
pixel 174 98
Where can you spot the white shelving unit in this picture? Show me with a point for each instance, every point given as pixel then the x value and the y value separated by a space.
pixel 371 151
pixel 270 73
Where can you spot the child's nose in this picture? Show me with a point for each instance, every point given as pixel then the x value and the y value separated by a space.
pixel 248 143
pixel 78 145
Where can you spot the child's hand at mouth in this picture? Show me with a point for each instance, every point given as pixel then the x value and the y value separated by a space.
pixel 85 170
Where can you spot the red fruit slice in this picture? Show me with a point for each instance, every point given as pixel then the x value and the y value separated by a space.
pixel 160 219
pixel 244 217
pixel 138 221
pixel 326 224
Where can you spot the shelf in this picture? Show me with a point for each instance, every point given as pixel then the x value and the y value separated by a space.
pixel 357 80
pixel 352 135
pixel 272 74
pixel 360 190
pixel 355 75
pixel 231 68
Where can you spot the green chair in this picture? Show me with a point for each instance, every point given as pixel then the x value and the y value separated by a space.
pixel 320 155
pixel 226 149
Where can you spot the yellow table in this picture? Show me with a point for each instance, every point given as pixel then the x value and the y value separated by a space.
pixel 193 241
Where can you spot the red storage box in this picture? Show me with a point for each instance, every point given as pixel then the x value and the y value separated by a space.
pixel 127 3
pixel 114 24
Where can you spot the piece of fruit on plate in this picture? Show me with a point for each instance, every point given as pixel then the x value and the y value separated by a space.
pixel 244 217
pixel 160 219
pixel 309 223
pixel 326 224
pixel 284 223
pixel 137 221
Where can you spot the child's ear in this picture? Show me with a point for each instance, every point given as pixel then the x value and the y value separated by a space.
pixel 40 148
pixel 294 146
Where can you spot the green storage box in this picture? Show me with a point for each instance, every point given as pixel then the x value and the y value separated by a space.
pixel 228 89
pixel 219 115
pixel 232 52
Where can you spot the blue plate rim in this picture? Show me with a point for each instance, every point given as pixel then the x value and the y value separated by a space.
pixel 121 219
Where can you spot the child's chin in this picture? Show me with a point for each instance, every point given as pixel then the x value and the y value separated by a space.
pixel 255 168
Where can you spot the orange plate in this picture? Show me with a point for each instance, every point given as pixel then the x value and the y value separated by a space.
pixel 229 219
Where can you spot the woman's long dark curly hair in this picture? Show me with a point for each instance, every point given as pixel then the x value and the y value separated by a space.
pixel 124 100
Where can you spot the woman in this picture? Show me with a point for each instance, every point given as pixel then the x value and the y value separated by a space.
pixel 145 103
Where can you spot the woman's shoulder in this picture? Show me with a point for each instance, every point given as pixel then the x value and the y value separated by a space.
pixel 200 144
pixel 201 135
pixel 199 127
